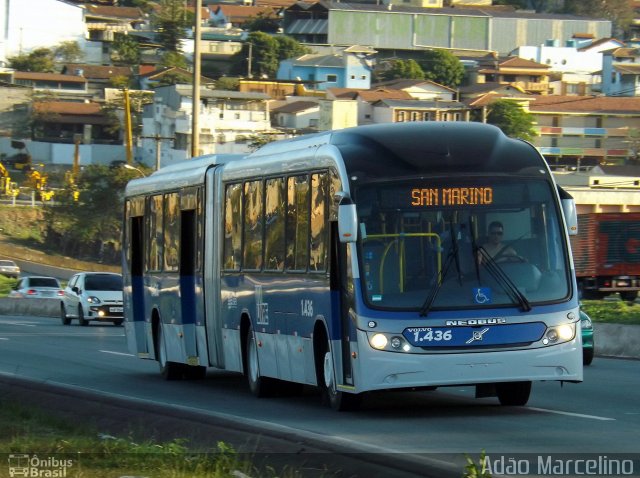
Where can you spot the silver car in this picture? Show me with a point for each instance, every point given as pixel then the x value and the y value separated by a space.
pixel 9 269
pixel 93 296
pixel 37 287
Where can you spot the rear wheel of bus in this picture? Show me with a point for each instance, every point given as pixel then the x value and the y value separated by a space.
pixel 260 386
pixel 168 370
pixel 513 393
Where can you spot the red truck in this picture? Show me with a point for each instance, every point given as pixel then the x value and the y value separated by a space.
pixel 606 254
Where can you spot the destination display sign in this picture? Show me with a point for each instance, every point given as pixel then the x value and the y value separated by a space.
pixel 456 196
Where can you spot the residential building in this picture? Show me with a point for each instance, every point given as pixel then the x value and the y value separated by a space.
pixel 397 27
pixel 167 75
pixel 71 87
pixel 421 89
pixel 577 131
pixel 365 99
pixel 530 76
pixel 298 116
pixel 98 77
pixel 350 68
pixel 104 21
pixel 224 15
pixel 621 72
pixel 398 111
pixel 228 119
pixel 62 121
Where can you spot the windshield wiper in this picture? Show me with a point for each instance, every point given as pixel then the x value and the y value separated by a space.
pixel 452 257
pixel 507 284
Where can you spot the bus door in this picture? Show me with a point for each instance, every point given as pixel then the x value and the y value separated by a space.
pixel 341 288
pixel 135 216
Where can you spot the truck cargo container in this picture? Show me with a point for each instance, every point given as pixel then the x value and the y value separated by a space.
pixel 606 254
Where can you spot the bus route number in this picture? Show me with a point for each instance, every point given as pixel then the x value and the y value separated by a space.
pixel 306 307
pixel 431 335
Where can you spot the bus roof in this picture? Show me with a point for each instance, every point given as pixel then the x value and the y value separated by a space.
pixel 182 174
pixel 403 149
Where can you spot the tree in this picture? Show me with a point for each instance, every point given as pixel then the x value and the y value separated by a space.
pixel 39 60
pixel 171 20
pixel 512 119
pixel 125 50
pixel 442 67
pixel 401 69
pixel 73 227
pixel 263 22
pixel 227 83
pixel 264 52
pixel 68 52
pixel 174 58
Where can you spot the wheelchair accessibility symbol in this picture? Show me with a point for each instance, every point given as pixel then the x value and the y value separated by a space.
pixel 482 295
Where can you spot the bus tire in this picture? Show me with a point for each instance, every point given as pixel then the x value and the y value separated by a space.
pixel 195 372
pixel 515 394
pixel 587 356
pixel 168 370
pixel 258 385
pixel 338 400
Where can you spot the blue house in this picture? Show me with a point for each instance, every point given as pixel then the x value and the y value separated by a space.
pixel 350 68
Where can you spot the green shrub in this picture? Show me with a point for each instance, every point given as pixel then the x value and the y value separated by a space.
pixel 615 312
pixel 6 284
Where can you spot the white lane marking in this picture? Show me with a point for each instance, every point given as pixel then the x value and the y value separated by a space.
pixel 4 338
pixel 571 414
pixel 115 353
pixel 23 324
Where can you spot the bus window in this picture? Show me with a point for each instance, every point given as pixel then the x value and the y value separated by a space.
pixel 253 215
pixel 274 224
pixel 154 233
pixel 171 232
pixel 317 259
pixel 232 227
pixel 297 230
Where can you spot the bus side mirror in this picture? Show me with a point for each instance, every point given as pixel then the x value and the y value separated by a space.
pixel 570 211
pixel 571 216
pixel 347 220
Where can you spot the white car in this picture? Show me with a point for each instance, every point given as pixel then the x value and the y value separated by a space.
pixel 37 287
pixel 9 269
pixel 93 296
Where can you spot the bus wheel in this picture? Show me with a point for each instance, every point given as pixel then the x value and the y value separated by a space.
pixel 513 393
pixel 195 372
pixel 259 386
pixel 340 401
pixel 168 370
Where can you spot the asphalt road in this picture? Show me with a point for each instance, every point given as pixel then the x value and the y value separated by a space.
pixel 600 416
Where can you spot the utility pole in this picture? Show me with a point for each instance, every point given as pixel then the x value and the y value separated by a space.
pixel 249 60
pixel 195 126
pixel 127 127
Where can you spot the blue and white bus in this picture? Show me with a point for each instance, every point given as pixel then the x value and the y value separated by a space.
pixel 358 260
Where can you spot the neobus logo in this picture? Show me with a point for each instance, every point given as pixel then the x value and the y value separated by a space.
pixel 477 322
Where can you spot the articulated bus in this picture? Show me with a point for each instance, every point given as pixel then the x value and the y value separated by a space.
pixel 355 261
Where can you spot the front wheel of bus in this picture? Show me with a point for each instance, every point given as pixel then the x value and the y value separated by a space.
pixel 259 386
pixel 513 393
pixel 340 401
pixel 168 370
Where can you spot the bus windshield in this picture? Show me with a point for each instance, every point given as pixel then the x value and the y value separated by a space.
pixel 442 244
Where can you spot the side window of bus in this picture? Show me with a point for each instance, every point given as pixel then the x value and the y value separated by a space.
pixel 297 228
pixel 253 225
pixel 233 227
pixel 154 233
pixel 274 224
pixel 171 231
pixel 319 239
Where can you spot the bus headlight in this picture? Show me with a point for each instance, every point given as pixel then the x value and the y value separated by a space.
pixel 559 334
pixel 378 341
